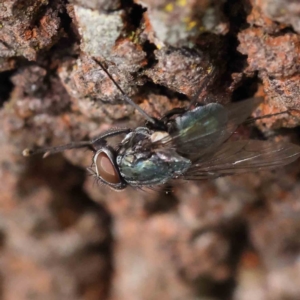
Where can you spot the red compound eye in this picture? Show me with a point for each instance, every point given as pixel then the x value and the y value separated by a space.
pixel 106 169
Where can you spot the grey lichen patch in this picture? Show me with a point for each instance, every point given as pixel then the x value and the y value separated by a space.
pixel 283 11
pixel 181 22
pixel 98 4
pixel 99 31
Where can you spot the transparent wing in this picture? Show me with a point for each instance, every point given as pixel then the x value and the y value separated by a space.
pixel 243 156
pixel 205 128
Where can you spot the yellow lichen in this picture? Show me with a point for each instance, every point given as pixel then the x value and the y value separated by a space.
pixel 169 7
pixel 202 29
pixel 181 3
pixel 191 25
pixel 209 69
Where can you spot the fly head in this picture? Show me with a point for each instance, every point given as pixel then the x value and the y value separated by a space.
pixel 105 169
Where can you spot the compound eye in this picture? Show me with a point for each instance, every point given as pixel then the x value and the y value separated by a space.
pixel 106 169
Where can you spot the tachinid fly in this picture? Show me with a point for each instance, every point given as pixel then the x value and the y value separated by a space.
pixel 190 144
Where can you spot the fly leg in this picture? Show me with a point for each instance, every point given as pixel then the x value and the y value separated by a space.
pixel 100 140
pixel 175 111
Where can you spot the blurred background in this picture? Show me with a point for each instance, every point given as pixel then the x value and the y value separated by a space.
pixel 63 236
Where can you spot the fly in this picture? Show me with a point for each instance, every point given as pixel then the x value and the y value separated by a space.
pixel 189 144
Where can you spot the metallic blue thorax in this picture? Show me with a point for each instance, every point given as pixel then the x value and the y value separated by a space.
pixel 140 164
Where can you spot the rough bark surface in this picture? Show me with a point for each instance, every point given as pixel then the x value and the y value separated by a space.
pixel 64 237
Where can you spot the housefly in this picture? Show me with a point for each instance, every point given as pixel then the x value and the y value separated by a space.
pixel 189 144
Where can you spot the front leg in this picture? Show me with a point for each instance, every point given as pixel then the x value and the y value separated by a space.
pixel 100 141
pixel 175 111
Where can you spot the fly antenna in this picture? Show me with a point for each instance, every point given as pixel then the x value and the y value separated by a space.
pixel 51 150
pixel 126 97
pixel 92 144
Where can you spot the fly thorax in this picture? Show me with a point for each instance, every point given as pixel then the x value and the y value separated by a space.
pixel 140 163
pixel 134 141
pixel 134 146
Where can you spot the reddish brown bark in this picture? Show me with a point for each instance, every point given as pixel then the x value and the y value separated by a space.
pixel 64 237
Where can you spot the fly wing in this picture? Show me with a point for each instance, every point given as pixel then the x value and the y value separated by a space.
pixel 243 156
pixel 204 129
